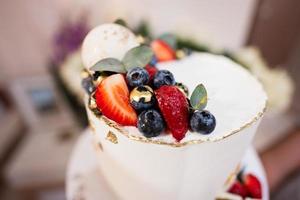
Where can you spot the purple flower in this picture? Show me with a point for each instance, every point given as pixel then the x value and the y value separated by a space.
pixel 68 39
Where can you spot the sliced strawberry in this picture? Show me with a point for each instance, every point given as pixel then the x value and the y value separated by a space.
pixel 253 185
pixel 112 98
pixel 162 50
pixel 239 189
pixel 151 71
pixel 174 107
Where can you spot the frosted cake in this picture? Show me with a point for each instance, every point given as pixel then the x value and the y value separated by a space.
pixel 157 140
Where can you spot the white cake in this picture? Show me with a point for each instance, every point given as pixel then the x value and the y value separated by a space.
pixel 137 167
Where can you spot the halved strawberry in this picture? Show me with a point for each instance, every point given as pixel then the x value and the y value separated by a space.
pixel 174 107
pixel 112 98
pixel 253 185
pixel 239 189
pixel 151 71
pixel 162 50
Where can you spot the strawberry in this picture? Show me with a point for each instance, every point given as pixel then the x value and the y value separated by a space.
pixel 162 50
pixel 239 189
pixel 174 107
pixel 112 98
pixel 253 186
pixel 151 71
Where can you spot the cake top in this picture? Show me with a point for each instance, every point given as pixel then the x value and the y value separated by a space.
pixel 144 88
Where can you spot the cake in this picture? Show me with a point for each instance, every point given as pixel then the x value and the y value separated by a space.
pixel 193 143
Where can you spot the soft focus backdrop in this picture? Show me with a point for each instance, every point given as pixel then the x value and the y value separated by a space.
pixel 40 109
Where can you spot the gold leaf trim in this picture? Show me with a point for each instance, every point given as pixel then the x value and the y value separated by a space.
pixel 112 137
pixel 141 138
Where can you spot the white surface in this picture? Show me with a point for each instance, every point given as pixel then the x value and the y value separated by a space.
pixel 107 41
pixel 40 161
pixel 85 180
pixel 235 97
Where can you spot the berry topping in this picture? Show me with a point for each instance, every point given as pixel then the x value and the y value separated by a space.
pixel 142 98
pixel 253 186
pixel 137 76
pixel 151 71
pixel 239 189
pixel 163 77
pixel 202 122
pixel 174 107
pixel 112 98
pixel 88 85
pixel 150 123
pixel 162 50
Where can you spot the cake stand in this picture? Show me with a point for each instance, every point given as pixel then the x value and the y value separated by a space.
pixel 84 180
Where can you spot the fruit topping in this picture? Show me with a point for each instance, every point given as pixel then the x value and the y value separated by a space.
pixel 88 85
pixel 253 186
pixel 150 123
pixel 239 189
pixel 174 107
pixel 137 76
pixel 151 71
pixel 142 98
pixel 112 98
pixel 163 77
pixel 202 122
pixel 162 50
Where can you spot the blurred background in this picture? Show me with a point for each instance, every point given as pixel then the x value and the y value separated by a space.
pixel 41 112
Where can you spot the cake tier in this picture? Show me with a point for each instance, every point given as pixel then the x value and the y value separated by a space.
pixel 196 168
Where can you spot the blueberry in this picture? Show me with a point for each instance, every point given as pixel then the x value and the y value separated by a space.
pixel 153 61
pixel 88 85
pixel 203 122
pixel 163 77
pixel 137 76
pixel 150 123
pixel 142 98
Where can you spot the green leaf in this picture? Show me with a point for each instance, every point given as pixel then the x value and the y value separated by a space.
pixel 109 65
pixel 170 39
pixel 143 29
pixel 121 22
pixel 199 97
pixel 138 57
pixel 193 45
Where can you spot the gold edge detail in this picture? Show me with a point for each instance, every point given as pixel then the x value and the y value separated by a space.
pixel 176 144
pixel 112 137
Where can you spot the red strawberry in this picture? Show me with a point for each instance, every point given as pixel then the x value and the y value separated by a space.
pixel 253 186
pixel 239 189
pixel 112 98
pixel 151 71
pixel 174 107
pixel 162 50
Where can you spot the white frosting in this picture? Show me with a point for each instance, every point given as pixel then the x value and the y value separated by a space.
pixel 107 40
pixel 235 97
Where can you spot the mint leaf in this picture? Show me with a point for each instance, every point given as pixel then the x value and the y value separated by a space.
pixel 109 65
pixel 138 57
pixel 199 97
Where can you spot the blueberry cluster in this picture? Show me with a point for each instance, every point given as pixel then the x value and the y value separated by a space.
pixel 142 98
